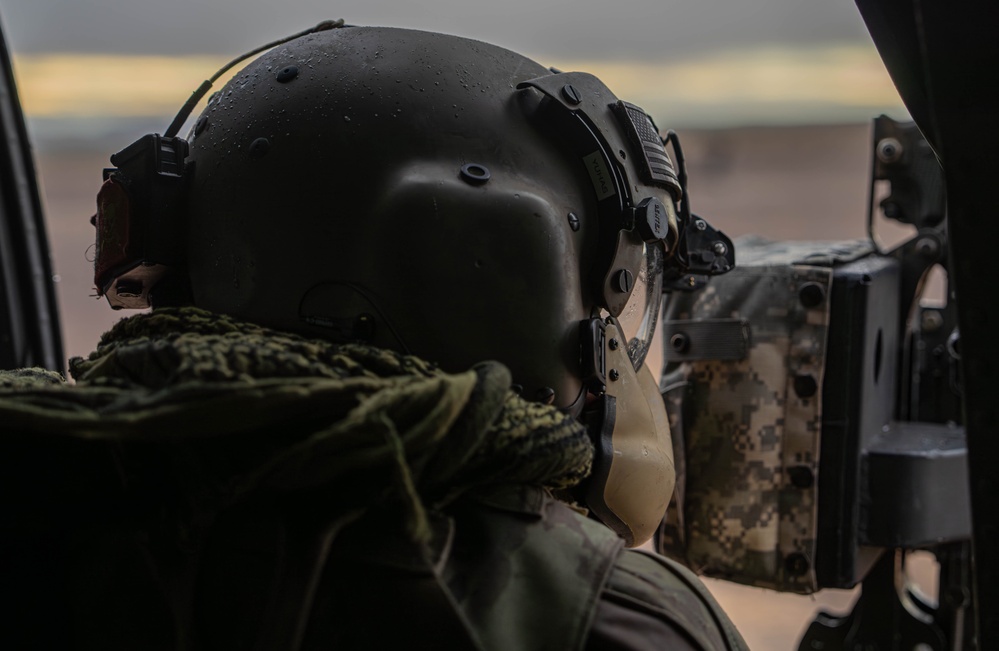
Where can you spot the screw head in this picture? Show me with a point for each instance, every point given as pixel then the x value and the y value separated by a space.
pixel 700 224
pixel 613 375
pixel 571 95
pixel 624 280
pixel 613 344
pixel 573 221
pixel 889 150
pixel 680 342
pixel 927 247
pixel 719 248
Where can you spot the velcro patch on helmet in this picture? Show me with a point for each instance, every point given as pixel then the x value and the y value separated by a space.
pixel 600 175
pixel 645 140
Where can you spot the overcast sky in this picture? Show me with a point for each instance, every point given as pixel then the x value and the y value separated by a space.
pixel 702 62
pixel 616 29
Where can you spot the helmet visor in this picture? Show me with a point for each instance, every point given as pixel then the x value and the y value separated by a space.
pixel 639 317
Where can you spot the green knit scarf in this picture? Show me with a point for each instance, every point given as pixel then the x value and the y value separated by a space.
pixel 240 410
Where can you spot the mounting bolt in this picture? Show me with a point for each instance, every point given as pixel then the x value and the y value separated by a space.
pixel 680 342
pixel 927 247
pixel 719 248
pixel 889 150
pixel 624 280
pixel 700 224
pixel 571 95
pixel 573 221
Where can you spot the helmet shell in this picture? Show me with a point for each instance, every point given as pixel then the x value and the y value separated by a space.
pixel 339 189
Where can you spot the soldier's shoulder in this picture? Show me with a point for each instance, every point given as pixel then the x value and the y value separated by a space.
pixel 671 598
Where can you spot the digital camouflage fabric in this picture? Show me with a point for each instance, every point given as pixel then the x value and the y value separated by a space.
pixel 743 383
pixel 210 483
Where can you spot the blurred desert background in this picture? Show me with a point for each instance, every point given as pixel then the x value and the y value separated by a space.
pixel 800 182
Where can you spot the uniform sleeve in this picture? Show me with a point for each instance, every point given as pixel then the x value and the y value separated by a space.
pixel 650 602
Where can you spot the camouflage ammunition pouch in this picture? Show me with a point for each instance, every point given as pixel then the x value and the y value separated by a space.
pixel 745 360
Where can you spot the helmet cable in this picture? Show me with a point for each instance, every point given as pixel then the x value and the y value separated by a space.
pixel 205 86
pixel 681 166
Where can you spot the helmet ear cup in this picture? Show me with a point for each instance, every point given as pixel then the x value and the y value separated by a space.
pixel 139 221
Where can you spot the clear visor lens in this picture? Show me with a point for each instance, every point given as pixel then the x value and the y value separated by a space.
pixel 639 317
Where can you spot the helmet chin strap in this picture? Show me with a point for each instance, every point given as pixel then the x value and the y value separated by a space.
pixel 633 475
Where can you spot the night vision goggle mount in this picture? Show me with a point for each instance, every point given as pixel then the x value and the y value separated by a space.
pixel 629 167
pixel 622 150
pixel 645 228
